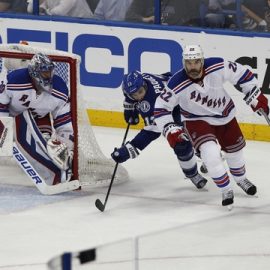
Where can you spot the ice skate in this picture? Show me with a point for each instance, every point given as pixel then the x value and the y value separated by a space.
pixel 227 198
pixel 198 181
pixel 248 187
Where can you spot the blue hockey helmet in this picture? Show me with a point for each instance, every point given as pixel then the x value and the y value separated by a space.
pixel 132 82
pixel 41 70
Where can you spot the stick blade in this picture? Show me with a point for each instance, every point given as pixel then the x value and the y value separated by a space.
pixel 99 205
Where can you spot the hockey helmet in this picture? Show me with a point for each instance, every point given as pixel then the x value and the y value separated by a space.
pixel 192 52
pixel 41 70
pixel 132 82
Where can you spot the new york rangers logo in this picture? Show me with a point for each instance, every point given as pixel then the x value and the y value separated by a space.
pixel 2 87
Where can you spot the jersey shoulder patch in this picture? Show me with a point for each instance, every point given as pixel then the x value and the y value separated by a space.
pixel 19 76
pixel 60 89
pixel 179 81
pixel 213 64
pixel 19 80
pixel 213 61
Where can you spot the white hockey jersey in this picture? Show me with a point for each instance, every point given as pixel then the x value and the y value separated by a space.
pixel 207 100
pixel 17 94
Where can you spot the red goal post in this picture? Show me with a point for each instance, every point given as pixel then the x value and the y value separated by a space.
pixel 90 165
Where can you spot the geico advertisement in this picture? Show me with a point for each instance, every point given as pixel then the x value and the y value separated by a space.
pixel 108 52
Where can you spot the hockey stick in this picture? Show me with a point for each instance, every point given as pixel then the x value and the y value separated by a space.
pixel 64 261
pixel 6 136
pixel 101 206
pixel 38 181
pixel 265 116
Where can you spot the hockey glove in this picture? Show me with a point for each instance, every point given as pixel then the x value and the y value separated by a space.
pixel 124 153
pixel 257 101
pixel 131 115
pixel 174 134
pixel 59 153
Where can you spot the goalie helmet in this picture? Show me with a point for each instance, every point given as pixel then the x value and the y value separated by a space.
pixel 41 70
pixel 132 82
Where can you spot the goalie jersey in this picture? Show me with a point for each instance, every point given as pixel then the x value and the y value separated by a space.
pixel 18 94
pixel 207 99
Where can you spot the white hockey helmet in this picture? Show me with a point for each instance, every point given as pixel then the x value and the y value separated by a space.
pixel 192 52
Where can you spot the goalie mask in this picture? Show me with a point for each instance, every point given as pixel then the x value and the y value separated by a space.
pixel 41 70
pixel 134 85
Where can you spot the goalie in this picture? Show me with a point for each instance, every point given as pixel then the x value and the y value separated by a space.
pixel 39 102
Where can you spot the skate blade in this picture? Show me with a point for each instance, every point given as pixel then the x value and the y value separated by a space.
pixel 230 207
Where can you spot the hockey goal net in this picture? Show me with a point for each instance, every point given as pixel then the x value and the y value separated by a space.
pixel 90 165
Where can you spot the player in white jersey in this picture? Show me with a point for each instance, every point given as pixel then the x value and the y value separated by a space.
pixel 140 91
pixel 208 114
pixel 36 97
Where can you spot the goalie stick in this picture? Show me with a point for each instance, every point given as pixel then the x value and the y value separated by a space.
pixel 38 181
pixel 101 206
pixel 64 261
pixel 6 136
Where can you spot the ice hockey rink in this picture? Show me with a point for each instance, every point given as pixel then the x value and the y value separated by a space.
pixel 156 220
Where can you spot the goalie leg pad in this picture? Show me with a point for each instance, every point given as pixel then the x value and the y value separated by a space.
pixel 31 142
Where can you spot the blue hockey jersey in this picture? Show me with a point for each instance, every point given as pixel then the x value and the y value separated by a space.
pixel 155 85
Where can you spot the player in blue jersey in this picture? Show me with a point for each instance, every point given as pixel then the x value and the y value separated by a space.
pixel 141 91
pixel 208 113
pixel 36 97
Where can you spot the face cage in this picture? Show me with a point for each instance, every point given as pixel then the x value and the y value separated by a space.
pixel 43 84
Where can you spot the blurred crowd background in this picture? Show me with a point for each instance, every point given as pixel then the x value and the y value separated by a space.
pixel 244 15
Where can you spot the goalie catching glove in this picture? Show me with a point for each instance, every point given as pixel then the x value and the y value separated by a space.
pixel 124 153
pixel 174 134
pixel 257 101
pixel 60 154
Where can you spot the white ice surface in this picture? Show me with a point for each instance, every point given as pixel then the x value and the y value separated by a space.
pixel 179 227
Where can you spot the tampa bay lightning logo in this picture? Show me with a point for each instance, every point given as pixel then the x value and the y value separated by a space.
pixel 144 106
pixel 2 87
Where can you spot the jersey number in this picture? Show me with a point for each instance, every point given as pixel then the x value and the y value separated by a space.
pixel 232 66
pixel 165 95
pixel 148 121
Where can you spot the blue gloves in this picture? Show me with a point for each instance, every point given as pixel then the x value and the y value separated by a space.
pixel 131 115
pixel 124 153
